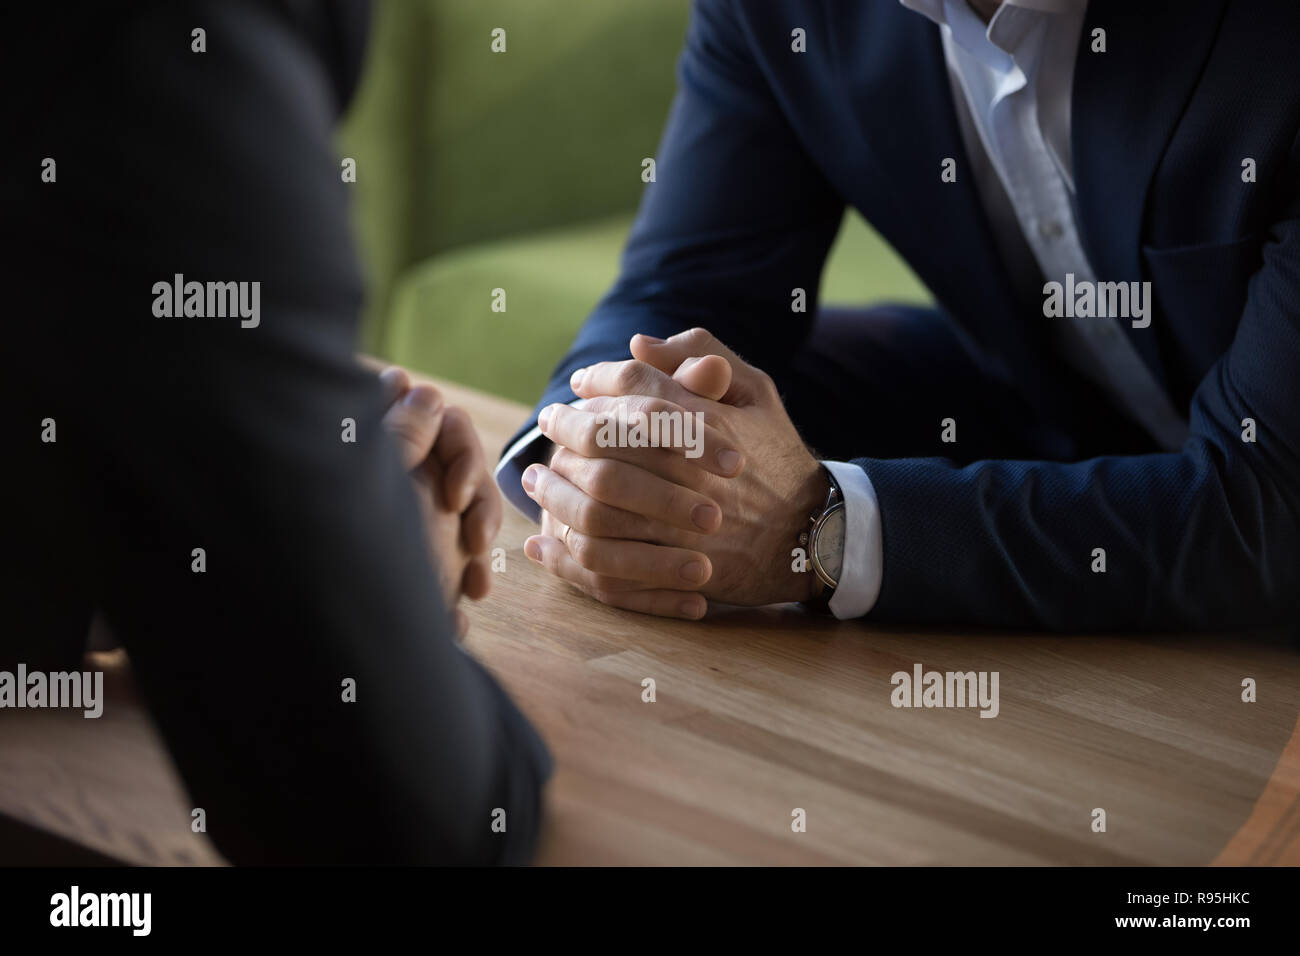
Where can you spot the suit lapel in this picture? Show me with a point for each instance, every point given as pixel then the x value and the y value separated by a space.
pixel 1126 103
pixel 907 134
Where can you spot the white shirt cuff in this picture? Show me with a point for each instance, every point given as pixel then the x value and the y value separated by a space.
pixel 510 469
pixel 864 562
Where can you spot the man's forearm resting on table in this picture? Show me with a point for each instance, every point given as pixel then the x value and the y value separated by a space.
pixel 1201 537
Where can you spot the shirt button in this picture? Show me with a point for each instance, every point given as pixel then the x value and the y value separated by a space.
pixel 1050 229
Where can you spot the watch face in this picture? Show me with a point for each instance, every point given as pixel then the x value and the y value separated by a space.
pixel 828 543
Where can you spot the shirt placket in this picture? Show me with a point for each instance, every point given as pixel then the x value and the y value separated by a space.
pixel 1043 207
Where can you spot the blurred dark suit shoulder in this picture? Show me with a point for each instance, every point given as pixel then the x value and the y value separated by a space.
pixel 198 492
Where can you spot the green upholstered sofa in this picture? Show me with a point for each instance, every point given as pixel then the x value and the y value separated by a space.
pixel 520 171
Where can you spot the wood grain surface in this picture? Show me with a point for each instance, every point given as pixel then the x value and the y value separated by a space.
pixel 760 712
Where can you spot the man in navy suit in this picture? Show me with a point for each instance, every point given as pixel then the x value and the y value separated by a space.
pixel 1098 424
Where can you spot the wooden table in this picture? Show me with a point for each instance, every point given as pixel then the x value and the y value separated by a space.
pixel 760 712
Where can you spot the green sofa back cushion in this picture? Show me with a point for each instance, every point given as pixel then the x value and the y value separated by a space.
pixel 443 322
pixel 456 144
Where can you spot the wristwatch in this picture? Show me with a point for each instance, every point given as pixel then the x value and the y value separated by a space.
pixel 824 541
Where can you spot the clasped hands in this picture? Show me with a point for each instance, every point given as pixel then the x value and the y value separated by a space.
pixel 459 503
pixel 651 529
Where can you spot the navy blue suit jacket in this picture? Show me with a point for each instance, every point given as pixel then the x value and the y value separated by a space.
pixel 763 150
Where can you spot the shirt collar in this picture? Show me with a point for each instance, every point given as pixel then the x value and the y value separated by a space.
pixel 993 44
pixel 934 8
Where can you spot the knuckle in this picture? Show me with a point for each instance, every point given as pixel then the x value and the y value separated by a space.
pixel 455 415
pixel 601 479
pixel 627 377
pixel 405 429
pixel 699 336
pixel 589 517
pixel 650 405
pixel 562 460
pixel 414 442
pixel 581 549
pixel 589 436
pixel 677 501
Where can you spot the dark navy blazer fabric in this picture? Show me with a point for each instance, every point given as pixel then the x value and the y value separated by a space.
pixel 765 148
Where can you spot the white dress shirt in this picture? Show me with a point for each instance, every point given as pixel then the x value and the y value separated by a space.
pixel 1012 81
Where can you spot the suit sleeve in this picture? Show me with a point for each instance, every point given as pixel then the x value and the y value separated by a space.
pixel 269 578
pixel 1204 538
pixel 737 218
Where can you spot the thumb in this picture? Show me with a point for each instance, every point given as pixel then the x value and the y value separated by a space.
pixel 708 376
pixel 415 422
pixel 668 355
